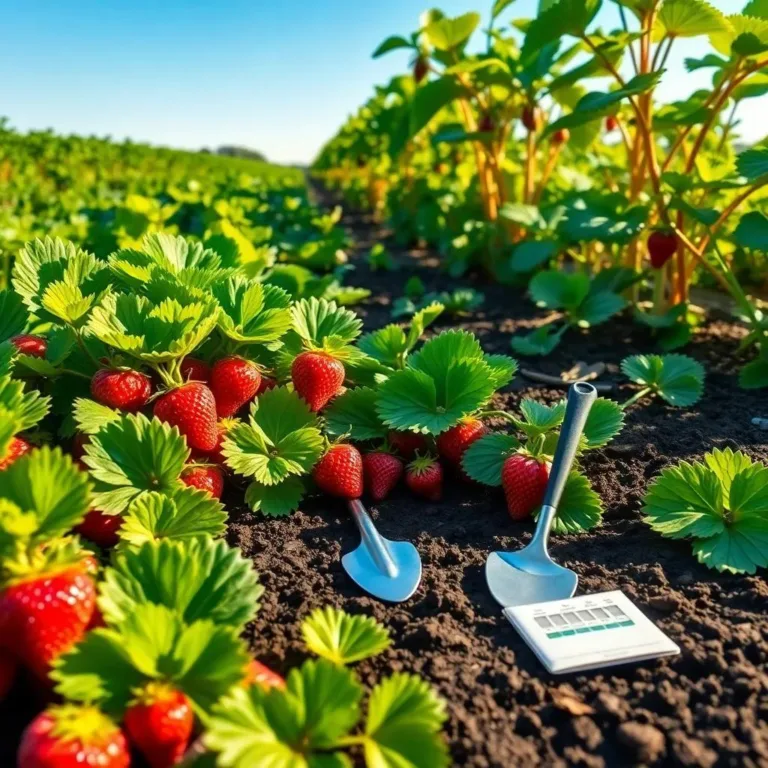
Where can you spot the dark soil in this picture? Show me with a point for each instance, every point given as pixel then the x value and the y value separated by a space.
pixel 706 707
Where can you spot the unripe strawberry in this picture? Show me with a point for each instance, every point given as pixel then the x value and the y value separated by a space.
pixel 561 136
pixel 661 247
pixel 29 344
pixel 424 476
pixel 124 390
pixel 532 118
pixel 524 480
pixel 205 478
pixel 234 381
pixel 317 377
pixel 381 473
pixel 340 472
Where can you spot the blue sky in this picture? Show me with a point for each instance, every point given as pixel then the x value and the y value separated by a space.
pixel 276 75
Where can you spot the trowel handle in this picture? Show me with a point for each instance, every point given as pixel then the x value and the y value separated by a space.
pixel 371 539
pixel 580 398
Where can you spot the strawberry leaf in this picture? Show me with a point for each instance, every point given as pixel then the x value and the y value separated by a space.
pixel 503 369
pixel 677 379
pixel 341 638
pixel 9 426
pixel 179 513
pixel 354 414
pixel 484 459
pixel 403 725
pixel 539 418
pixel 47 483
pixel 134 456
pixel 28 408
pixel 315 320
pixel 91 417
pixel 13 315
pixel 251 312
pixel 197 578
pixel 285 728
pixel 275 500
pixel 421 321
pixel 540 342
pixel 280 439
pixel 740 548
pixel 388 345
pixel 605 421
pixel 580 508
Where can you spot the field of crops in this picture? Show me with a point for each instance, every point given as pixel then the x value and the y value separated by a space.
pixel 205 361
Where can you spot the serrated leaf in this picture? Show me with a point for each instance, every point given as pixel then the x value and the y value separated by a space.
pixel 739 548
pixel 754 375
pixel 484 459
pixel 29 407
pixel 539 418
pixel 421 321
pixel 354 414
pixel 540 342
pixel 678 379
pixel 503 369
pixel 753 163
pixel 605 421
pixel 197 578
pixel 742 36
pixel 430 98
pixel 758 8
pixel 752 231
pixel 275 500
pixel 566 17
pixel 557 290
pixel 132 457
pixel 688 18
pixel 91 417
pixel 251 312
pixel 13 315
pixel 315 320
pixel 388 345
pixel 580 508
pixel 9 427
pixel 342 638
pixel 598 307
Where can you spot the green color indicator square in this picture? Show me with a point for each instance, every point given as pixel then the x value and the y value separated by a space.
pixel 568 632
pixel 597 628
pixel 612 626
pixel 627 624
pixel 553 635
pixel 582 630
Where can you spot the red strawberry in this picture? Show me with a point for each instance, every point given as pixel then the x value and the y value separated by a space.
pixel 206 477
pixel 420 68
pixel 561 136
pixel 317 378
pixel 258 673
pixel 381 473
pixel 267 383
pixel 234 381
pixel 192 408
pixel 159 723
pixel 8 667
pixel 71 736
pixel 452 443
pixel 532 118
pixel 100 528
pixel 340 472
pixel 486 124
pixel 611 123
pixel 524 480
pixel 122 389
pixel 661 247
pixel 407 444
pixel 18 447
pixel 424 477
pixel 193 369
pixel 29 344
pixel 46 613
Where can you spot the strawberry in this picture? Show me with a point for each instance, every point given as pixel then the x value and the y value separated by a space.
pixel 205 477
pixel 193 369
pixel 100 528
pixel 260 674
pixel 8 668
pixel 561 136
pixel 424 477
pixel 125 390
pixel 317 378
pixel 420 68
pixel 267 383
pixel 46 612
pixel 29 344
pixel 611 123
pixel 524 480
pixel 407 443
pixel 234 381
pixel 381 473
pixel 71 736
pixel 452 443
pixel 340 472
pixel 18 447
pixel 486 124
pixel 661 247
pixel 159 723
pixel 192 408
pixel 532 118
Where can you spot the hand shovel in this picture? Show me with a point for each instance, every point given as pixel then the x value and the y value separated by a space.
pixel 530 575
pixel 389 570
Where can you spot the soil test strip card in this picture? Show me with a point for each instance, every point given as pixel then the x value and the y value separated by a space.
pixel 589 632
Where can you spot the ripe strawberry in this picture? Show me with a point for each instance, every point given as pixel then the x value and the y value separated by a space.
pixel 260 674
pixel 18 447
pixel 340 472
pixel 193 369
pixel 420 68
pixel 121 389
pixel 661 247
pixel 424 477
pixel 452 443
pixel 234 381
pixel 611 123
pixel 100 528
pixel 407 444
pixel 317 378
pixel 72 736
pixel 8 667
pixel 29 344
pixel 46 613
pixel 159 723
pixel 192 408
pixel 486 123
pixel 267 383
pixel 524 480
pixel 381 473
pixel 206 477
pixel 532 118
pixel 561 136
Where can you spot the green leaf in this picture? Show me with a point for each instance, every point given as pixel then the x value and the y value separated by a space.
pixel 354 414
pixel 134 456
pixel 430 98
pixel 742 36
pixel 275 500
pixel 388 345
pixel 484 459
pixel 196 578
pixel 526 215
pixel 740 548
pixel 753 163
pixel 503 369
pixel 180 513
pixel 539 418
pixel 13 315
pixel 566 17
pixel 757 8
pixel 499 7
pixel 531 254
pixel 251 312
pixel 403 725
pixel 540 342
pixel 9 427
pixel 752 231
pixel 678 379
pixel 754 375
pixel 48 484
pixel 688 18
pixel 447 34
pixel 392 43
pixel 91 417
pixel 605 421
pixel 558 290
pixel 598 307
pixel 580 508
pixel 342 638
pixel 315 320
pixel 27 407
pixel 280 439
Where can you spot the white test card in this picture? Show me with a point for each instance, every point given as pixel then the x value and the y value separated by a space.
pixel 589 632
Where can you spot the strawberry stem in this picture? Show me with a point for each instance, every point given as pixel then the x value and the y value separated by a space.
pixel 637 396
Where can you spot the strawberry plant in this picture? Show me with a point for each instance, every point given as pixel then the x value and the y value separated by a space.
pixel 676 379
